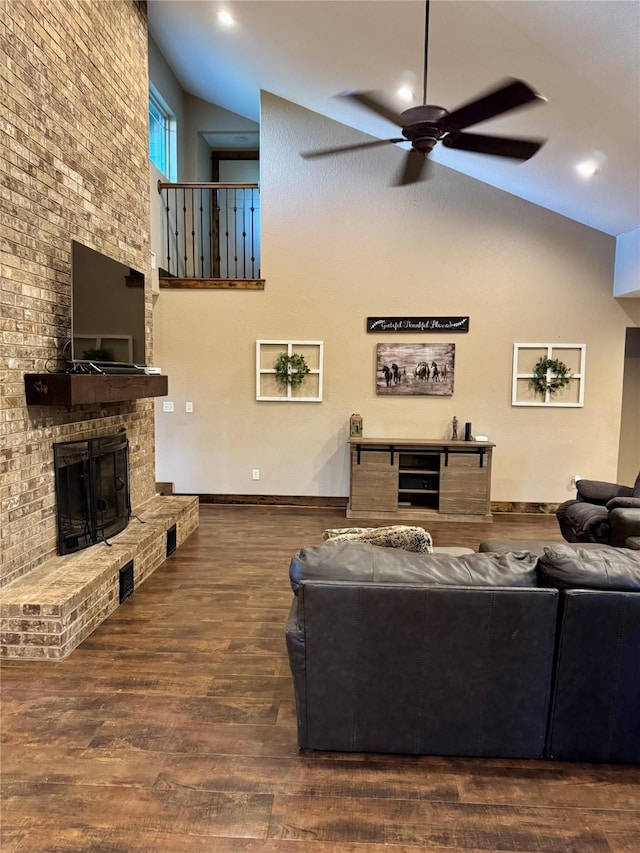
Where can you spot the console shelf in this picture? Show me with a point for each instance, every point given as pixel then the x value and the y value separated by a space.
pixel 416 479
pixel 74 389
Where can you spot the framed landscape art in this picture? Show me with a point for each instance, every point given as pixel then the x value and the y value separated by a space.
pixel 415 369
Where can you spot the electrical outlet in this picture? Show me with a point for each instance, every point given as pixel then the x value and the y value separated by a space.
pixel 167 406
pixel 256 473
pixel 188 407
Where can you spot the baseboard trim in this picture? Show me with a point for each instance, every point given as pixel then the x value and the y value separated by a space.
pixel 275 500
pixel 522 506
pixel 341 503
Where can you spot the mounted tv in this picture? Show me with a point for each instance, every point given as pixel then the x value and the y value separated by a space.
pixel 107 309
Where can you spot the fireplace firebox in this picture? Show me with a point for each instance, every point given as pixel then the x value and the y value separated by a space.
pixel 92 490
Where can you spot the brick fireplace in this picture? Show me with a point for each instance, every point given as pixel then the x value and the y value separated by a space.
pixel 75 163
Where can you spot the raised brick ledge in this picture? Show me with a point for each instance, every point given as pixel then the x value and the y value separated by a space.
pixel 46 613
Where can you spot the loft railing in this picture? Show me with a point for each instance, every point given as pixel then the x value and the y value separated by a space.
pixel 211 231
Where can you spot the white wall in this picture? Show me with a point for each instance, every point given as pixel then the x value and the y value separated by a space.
pixel 202 117
pixel 339 245
pixel 627 269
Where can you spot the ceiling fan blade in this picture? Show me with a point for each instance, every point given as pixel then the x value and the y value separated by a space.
pixel 324 152
pixel 509 95
pixel 413 169
pixel 371 101
pixel 500 146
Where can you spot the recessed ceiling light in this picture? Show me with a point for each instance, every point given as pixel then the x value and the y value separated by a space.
pixel 405 94
pixel 587 168
pixel 225 19
pixel 591 165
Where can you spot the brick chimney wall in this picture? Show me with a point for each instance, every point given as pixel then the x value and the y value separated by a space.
pixel 73 165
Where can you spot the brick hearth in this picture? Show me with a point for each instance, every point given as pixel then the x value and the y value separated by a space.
pixel 48 612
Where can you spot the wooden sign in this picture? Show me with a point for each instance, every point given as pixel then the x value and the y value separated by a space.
pixel 417 324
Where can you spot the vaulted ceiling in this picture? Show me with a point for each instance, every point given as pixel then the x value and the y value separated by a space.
pixel 582 55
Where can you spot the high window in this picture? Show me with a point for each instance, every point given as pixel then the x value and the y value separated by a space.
pixel 162 137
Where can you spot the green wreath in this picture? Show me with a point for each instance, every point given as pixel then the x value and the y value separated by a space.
pixel 291 369
pixel 550 374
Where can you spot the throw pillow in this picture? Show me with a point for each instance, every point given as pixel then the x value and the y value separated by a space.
pixel 408 538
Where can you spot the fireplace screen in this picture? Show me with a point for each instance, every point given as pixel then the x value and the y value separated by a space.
pixel 92 490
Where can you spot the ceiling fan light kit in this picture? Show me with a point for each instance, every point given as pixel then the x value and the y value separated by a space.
pixel 426 125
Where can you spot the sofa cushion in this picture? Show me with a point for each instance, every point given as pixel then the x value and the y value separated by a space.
pixel 606 568
pixel 534 546
pixel 361 562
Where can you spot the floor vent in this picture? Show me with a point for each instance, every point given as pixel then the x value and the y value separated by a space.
pixel 172 540
pixel 126 581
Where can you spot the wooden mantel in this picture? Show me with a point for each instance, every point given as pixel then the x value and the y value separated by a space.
pixel 74 389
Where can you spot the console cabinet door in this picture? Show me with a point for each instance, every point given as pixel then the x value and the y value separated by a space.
pixel 374 482
pixel 464 485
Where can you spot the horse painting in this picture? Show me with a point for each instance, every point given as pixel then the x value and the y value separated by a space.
pixel 406 369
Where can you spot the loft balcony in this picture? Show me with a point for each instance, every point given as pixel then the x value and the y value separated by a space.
pixel 211 236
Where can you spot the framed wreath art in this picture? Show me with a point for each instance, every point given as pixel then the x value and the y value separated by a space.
pixel 549 375
pixel 289 371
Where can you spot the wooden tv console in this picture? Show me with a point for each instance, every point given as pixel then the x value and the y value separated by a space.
pixel 416 479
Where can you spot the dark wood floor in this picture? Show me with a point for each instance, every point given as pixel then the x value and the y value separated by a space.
pixel 172 729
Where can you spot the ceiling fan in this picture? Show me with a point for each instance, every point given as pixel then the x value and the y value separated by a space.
pixel 425 125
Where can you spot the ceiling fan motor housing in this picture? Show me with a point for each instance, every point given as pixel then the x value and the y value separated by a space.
pixel 421 128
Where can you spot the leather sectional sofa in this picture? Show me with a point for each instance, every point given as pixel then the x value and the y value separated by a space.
pixel 513 654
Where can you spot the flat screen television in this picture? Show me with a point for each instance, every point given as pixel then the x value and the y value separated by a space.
pixel 107 309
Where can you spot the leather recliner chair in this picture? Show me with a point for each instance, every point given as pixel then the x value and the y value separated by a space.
pixel 602 512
